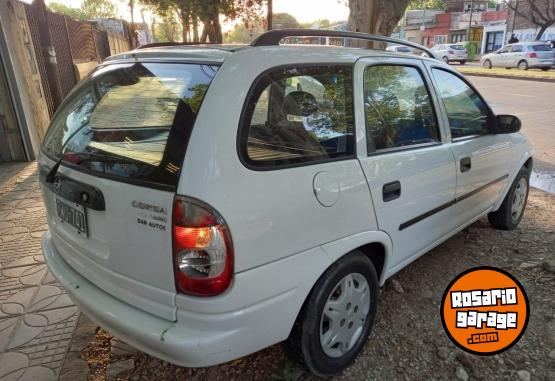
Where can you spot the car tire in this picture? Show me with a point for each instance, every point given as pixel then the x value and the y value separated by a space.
pixel 487 64
pixel 446 59
pixel 353 316
pixel 523 65
pixel 545 68
pixel 462 62
pixel 509 214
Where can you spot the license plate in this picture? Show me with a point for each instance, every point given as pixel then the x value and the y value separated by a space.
pixel 74 215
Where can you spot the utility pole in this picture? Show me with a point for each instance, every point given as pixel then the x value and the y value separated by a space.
pixel 469 21
pixel 270 15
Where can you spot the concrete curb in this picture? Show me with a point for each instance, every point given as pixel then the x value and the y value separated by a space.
pixel 522 78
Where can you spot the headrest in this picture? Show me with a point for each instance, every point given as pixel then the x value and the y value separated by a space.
pixel 300 103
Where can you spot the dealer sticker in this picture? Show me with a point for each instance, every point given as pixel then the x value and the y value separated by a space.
pixel 485 310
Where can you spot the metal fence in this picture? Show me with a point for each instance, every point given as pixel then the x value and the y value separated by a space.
pixel 74 42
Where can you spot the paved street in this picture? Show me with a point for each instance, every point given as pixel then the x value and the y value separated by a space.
pixel 534 103
pixel 37 318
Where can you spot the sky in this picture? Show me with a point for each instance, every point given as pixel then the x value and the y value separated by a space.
pixel 303 10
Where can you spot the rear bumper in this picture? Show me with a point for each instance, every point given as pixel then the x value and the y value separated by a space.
pixel 201 338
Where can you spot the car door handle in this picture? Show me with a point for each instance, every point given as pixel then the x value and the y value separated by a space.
pixel 391 191
pixel 466 164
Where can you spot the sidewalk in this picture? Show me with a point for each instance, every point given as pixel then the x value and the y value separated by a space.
pixel 37 318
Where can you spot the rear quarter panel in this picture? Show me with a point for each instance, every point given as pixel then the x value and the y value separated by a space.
pixel 272 214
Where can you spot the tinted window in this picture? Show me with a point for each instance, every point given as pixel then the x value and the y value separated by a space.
pixel 131 120
pixel 299 114
pixel 541 48
pixel 516 48
pixel 467 112
pixel 398 108
pixel 403 49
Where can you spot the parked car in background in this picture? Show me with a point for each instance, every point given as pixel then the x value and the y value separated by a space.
pixel 552 44
pixel 450 53
pixel 522 55
pixel 201 227
pixel 399 49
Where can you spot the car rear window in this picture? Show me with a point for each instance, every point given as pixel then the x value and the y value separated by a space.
pixel 541 48
pixel 130 121
pixel 456 47
pixel 403 49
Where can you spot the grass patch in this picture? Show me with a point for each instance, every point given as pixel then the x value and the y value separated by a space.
pixel 532 73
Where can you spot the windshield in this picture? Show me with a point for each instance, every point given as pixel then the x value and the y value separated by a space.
pixel 130 120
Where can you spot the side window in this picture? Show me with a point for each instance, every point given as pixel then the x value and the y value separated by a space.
pixel 467 112
pixel 398 108
pixel 299 114
pixel 516 49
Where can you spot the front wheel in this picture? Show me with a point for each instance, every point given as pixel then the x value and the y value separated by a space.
pixel 509 214
pixel 487 64
pixel 545 68
pixel 446 59
pixel 462 62
pixel 337 316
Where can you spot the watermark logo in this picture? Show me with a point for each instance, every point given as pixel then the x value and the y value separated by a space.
pixel 485 310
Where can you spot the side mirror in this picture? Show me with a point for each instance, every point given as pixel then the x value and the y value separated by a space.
pixel 507 124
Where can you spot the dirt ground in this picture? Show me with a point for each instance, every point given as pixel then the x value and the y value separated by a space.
pixel 408 342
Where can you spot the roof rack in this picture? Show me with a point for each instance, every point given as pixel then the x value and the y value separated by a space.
pixel 171 43
pixel 273 37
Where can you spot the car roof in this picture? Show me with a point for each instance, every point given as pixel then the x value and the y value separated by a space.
pixel 217 54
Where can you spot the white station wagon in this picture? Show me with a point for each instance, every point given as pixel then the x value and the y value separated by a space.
pixel 207 202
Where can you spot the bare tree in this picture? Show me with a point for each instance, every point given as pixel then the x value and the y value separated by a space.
pixel 539 12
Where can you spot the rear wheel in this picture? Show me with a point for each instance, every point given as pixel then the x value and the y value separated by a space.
pixel 509 214
pixel 462 62
pixel 446 59
pixel 545 68
pixel 337 316
pixel 487 64
pixel 523 65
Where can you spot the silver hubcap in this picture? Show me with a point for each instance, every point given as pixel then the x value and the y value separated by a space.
pixel 519 198
pixel 344 315
pixel 522 65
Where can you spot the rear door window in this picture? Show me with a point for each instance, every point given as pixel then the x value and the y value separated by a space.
pixel 299 115
pixel 541 48
pixel 130 121
pixel 398 108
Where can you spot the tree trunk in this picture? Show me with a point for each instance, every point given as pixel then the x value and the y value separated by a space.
pixel 375 16
pixel 195 29
pixel 541 31
pixel 184 20
pixel 217 36
pixel 205 27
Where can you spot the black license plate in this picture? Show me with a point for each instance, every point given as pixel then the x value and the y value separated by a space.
pixel 74 215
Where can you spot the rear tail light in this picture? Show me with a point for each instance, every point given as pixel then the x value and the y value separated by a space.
pixel 202 249
pixel 532 55
pixel 450 51
pixel 465 50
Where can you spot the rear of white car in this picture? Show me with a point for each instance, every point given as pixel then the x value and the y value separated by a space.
pixel 161 234
pixel 451 52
